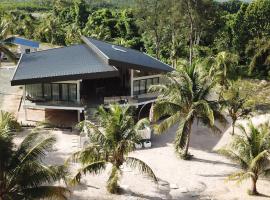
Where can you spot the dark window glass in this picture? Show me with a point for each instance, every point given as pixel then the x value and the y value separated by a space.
pixel 64 92
pixel 47 91
pixel 73 92
pixel 34 90
pixel 55 92
pixel 142 86
pixel 136 87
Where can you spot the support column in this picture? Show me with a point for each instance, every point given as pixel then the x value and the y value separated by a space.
pixel 131 83
pixel 79 116
pixel 78 91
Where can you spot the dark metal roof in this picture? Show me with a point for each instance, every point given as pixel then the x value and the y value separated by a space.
pixel 125 57
pixel 22 41
pixel 94 59
pixel 60 64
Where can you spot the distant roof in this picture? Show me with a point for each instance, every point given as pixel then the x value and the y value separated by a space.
pixel 94 59
pixel 60 64
pixel 22 41
pixel 126 57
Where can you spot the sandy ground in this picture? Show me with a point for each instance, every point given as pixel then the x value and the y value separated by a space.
pixel 201 178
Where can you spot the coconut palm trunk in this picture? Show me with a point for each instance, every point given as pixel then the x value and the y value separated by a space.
pixel 185 155
pixel 254 185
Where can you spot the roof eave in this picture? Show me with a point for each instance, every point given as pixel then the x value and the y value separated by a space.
pixel 117 63
pixel 65 78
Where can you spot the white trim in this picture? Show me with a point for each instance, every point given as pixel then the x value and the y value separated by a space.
pixel 147 77
pixel 54 107
pixel 17 67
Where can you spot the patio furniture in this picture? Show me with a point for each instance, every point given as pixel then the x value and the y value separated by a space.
pixel 138 146
pixel 147 144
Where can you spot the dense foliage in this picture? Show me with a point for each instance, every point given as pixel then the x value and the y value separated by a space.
pixel 170 30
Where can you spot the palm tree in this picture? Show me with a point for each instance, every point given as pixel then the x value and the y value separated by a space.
pixel 237 105
pixel 222 67
pixel 186 95
pixel 250 150
pixel 23 174
pixel 4 29
pixel 110 143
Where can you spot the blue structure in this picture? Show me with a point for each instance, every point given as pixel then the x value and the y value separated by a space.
pixel 22 41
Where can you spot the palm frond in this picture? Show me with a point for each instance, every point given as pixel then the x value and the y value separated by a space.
pixel 234 157
pixel 239 176
pixel 92 168
pixel 136 163
pixel 167 123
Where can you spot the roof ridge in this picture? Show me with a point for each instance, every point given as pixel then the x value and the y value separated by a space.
pixel 110 43
pixel 54 49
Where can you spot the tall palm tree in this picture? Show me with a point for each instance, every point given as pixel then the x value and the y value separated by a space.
pixel 110 143
pixel 187 94
pixel 238 106
pixel 23 174
pixel 250 150
pixel 4 30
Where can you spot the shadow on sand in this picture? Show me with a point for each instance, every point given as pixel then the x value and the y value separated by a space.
pixel 202 138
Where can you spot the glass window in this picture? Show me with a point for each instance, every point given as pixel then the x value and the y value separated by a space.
pixel 55 92
pixel 72 92
pixel 149 83
pixel 136 87
pixel 142 86
pixel 47 87
pixel 64 88
pixel 34 90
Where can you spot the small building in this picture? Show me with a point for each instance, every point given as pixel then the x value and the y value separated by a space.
pixel 82 77
pixel 24 45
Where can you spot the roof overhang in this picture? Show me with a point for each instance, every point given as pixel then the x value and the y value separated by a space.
pixel 65 78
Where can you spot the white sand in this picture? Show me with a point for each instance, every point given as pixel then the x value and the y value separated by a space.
pixel 201 178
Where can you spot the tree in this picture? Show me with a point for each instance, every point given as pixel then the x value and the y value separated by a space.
pixel 23 174
pixel 223 68
pixel 152 23
pixel 237 105
pixel 259 51
pixel 111 142
pixel 183 98
pixel 256 18
pixel 101 25
pixel 250 150
pixel 4 30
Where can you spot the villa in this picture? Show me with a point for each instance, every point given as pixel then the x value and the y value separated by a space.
pixel 81 77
